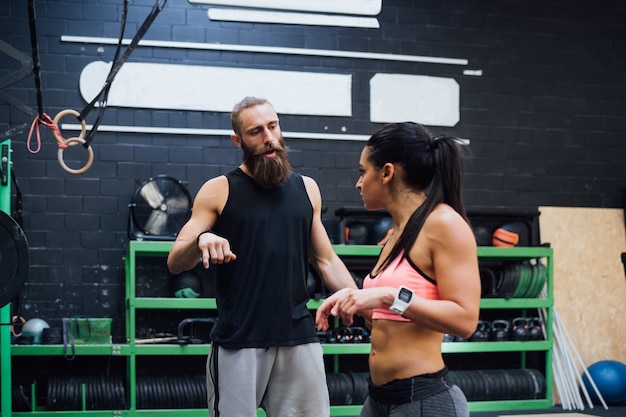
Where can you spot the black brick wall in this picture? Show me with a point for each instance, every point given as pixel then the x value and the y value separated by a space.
pixel 546 120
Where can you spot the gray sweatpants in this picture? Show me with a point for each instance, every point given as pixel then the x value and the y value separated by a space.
pixel 286 381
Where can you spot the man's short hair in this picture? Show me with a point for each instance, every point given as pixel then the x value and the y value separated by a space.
pixel 246 103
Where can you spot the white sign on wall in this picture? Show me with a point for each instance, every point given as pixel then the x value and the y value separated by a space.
pixel 201 88
pixel 432 101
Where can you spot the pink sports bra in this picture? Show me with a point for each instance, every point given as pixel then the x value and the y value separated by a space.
pixel 399 273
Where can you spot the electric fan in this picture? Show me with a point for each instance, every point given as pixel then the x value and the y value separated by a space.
pixel 159 209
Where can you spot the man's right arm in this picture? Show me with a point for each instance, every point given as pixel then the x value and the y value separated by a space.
pixel 192 243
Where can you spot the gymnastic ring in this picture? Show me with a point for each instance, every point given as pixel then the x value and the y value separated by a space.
pixel 16 320
pixel 73 142
pixel 68 112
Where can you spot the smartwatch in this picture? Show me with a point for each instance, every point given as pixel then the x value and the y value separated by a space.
pixel 402 300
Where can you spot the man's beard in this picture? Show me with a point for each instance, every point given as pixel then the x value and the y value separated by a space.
pixel 268 172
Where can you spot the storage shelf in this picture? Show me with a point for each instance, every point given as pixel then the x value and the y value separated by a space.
pixel 479 347
pixel 132 351
pixel 511 405
pixel 210 303
pixel 515 303
pixel 80 350
pixel 203 349
pixel 172 349
pixel 167 303
pixel 336 410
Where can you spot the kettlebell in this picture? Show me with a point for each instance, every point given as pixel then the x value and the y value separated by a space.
pixel 519 329
pixel 187 285
pixel 535 328
pixel 482 332
pixel 500 330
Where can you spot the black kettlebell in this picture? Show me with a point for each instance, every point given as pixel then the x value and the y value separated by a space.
pixel 344 335
pixel 482 332
pixel 535 328
pixel 187 285
pixel 519 329
pixel 500 330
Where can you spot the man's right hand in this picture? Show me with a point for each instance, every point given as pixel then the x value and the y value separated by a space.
pixel 215 249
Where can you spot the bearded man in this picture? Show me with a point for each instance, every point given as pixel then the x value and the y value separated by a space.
pixel 260 226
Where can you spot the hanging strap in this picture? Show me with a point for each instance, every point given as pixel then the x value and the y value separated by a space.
pixel 42 118
pixel 117 63
pixel 35 52
pixel 68 335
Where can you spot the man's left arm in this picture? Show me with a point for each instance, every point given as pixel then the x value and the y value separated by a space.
pixel 330 267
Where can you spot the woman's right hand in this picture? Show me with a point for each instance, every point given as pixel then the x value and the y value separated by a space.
pixel 330 308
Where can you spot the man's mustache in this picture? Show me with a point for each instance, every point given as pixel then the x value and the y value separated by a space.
pixel 276 146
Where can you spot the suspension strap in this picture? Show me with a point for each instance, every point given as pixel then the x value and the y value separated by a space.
pixel 117 63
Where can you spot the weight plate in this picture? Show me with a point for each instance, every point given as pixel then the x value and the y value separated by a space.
pixel 534 276
pixel 14 258
pixel 522 286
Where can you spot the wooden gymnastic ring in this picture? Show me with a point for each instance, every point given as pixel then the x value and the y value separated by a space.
pixel 68 112
pixel 14 320
pixel 73 142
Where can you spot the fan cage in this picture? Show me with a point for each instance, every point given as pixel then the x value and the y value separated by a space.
pixel 158 209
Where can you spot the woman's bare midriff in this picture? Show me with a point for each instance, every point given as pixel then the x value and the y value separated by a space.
pixel 403 350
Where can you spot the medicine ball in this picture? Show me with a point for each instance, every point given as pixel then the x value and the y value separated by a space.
pixel 483 235
pixel 510 235
pixel 187 285
pixel 610 378
pixel 380 229
pixel 357 233
pixel 34 328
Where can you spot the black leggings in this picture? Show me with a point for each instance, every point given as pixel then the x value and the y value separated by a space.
pixel 421 396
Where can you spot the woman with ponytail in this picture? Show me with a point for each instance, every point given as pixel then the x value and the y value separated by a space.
pixel 425 283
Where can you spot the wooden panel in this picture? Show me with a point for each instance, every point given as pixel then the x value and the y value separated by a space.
pixel 204 88
pixel 433 101
pixel 589 282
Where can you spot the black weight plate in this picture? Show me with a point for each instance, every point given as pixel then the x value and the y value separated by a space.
pixel 138 393
pixel 14 258
pixel 167 398
pixel 140 397
pixel 191 392
pixel 109 396
pixel 201 383
pixel 182 395
pixel 51 398
pixel 157 398
pixel 121 393
pixel 152 395
pixel 185 395
pixel 160 390
pixel 70 395
pixel 348 388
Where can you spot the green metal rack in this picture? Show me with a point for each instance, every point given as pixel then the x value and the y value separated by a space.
pixel 5 311
pixel 131 351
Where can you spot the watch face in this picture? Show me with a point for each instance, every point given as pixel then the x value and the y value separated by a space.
pixel 405 295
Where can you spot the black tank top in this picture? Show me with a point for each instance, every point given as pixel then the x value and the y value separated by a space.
pixel 262 295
